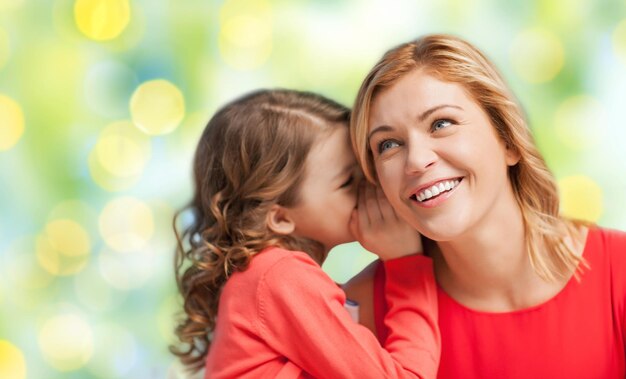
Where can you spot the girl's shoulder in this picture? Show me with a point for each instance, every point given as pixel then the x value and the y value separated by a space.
pixel 272 270
pixel 272 262
pixel 268 258
pixel 286 279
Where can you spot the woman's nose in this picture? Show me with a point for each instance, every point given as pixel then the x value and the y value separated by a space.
pixel 420 157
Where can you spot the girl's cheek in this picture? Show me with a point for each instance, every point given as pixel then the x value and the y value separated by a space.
pixel 351 198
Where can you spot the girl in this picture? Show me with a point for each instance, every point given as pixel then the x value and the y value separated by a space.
pixel 275 190
pixel 523 292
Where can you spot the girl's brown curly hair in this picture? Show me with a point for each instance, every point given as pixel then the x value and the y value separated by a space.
pixel 250 156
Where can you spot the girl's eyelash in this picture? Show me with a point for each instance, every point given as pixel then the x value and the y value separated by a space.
pixel 347 182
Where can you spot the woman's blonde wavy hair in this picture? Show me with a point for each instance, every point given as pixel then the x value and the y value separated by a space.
pixel 250 157
pixel 452 59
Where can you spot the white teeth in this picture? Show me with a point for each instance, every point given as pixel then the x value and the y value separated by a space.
pixel 437 189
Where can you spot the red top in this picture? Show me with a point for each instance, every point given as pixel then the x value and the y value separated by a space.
pixel 579 333
pixel 283 317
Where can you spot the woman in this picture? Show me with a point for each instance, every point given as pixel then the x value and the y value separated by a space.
pixel 522 291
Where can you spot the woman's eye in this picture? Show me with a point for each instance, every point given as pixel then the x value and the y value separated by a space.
pixel 386 144
pixel 348 182
pixel 440 124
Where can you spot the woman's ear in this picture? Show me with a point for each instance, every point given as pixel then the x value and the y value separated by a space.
pixel 279 221
pixel 512 156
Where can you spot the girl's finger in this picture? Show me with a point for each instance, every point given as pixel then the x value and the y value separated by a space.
pixel 354 224
pixel 373 210
pixel 385 208
pixel 364 220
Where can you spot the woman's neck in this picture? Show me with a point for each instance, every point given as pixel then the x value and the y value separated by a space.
pixel 488 268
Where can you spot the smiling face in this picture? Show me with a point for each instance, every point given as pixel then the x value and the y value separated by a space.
pixel 327 194
pixel 438 158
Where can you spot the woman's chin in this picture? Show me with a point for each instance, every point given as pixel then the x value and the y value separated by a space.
pixel 439 233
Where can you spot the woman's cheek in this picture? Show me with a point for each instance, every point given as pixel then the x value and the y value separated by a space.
pixel 389 171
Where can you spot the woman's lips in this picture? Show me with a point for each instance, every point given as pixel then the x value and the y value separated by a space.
pixel 435 193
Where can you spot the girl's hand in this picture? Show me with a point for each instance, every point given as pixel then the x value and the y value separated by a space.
pixel 378 229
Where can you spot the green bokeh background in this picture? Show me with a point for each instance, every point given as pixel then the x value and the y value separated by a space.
pixel 564 59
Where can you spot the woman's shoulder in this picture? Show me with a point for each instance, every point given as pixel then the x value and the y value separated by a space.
pixel 607 239
pixel 610 235
pixel 607 245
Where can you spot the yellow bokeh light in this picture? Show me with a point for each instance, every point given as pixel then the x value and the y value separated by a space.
pixel 157 107
pixel 105 179
pixel 619 41
pixel 68 237
pixel 12 362
pixel 564 14
pixel 245 38
pixel 123 150
pixel 246 31
pixel 119 157
pixel 79 211
pixel 126 224
pixel 5 48
pixel 66 342
pixel 580 122
pixel 11 122
pixel 581 198
pixel 66 26
pixel 537 55
pixel 63 248
pixel 101 20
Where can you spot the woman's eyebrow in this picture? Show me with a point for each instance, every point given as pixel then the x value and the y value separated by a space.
pixel 421 118
pixel 428 112
pixel 382 128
